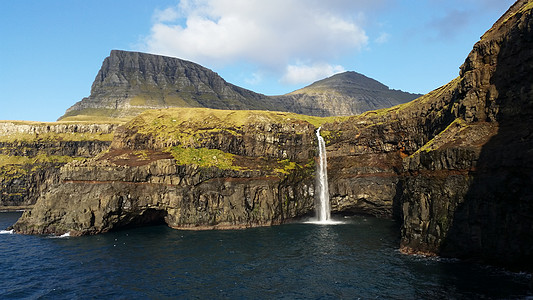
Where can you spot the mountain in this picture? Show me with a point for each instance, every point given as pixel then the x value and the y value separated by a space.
pixel 344 94
pixel 131 82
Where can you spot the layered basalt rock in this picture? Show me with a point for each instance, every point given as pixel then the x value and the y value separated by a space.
pixel 185 197
pixel 483 208
pixel 31 154
pixel 143 177
pixel 131 82
pixel 461 155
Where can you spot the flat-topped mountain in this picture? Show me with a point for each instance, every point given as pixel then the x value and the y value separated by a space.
pixel 131 82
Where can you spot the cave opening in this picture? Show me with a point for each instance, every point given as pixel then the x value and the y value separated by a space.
pixel 148 217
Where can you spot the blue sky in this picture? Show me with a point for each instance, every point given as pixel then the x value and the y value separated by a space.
pixel 52 50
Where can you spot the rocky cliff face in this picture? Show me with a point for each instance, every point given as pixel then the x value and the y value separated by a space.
pixel 32 153
pixel 207 169
pixel 131 82
pixel 489 211
pixel 461 155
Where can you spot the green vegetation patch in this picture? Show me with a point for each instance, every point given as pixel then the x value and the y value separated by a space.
pixel 203 157
pixel 182 122
pixel 286 166
pixel 55 137
pixel 415 104
pixel 444 136
pixel 17 166
pixel 96 115
pixel 142 155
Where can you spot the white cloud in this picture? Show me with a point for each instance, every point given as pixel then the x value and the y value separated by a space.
pixel 382 38
pixel 296 74
pixel 166 15
pixel 269 34
pixel 255 78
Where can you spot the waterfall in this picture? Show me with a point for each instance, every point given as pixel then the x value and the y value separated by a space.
pixel 322 207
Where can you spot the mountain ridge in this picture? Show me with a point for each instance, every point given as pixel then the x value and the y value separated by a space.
pixel 130 82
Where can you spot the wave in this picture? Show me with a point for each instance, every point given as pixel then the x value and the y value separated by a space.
pixel 65 235
pixel 12 231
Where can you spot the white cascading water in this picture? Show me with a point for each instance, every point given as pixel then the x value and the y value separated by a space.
pixel 322 206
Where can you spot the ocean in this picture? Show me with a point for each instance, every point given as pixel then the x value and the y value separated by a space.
pixel 357 258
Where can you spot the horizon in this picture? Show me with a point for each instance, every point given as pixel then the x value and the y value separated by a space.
pixel 53 50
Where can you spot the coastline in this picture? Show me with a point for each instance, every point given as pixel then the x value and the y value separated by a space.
pixel 15 208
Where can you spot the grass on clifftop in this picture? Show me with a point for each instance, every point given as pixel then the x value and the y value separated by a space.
pixel 176 119
pixel 423 103
pixel 53 136
pixel 98 115
pixel 203 157
pixel 17 166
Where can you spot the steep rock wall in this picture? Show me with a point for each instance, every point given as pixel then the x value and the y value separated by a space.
pixel 129 83
pixel 143 177
pixel 489 213
pixel 454 166
pixel 31 154
pixel 181 196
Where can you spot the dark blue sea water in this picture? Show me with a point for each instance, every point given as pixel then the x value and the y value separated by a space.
pixel 358 259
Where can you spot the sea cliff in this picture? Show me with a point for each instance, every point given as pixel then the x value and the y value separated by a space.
pixel 188 168
pixel 454 167
pixel 31 154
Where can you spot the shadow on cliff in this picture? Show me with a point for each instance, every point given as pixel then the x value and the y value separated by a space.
pixel 494 224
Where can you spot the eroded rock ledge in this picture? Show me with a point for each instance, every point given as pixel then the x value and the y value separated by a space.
pixel 31 154
pixel 207 169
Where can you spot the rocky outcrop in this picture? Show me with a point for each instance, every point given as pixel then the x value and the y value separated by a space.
pixel 131 82
pixel 461 155
pixel 187 197
pixel 31 154
pixel 490 213
pixel 249 169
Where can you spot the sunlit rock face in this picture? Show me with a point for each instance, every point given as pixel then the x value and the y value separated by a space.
pixel 31 154
pixel 207 169
pixel 131 82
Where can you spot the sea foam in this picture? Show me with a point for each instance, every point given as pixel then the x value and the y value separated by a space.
pixel 65 235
